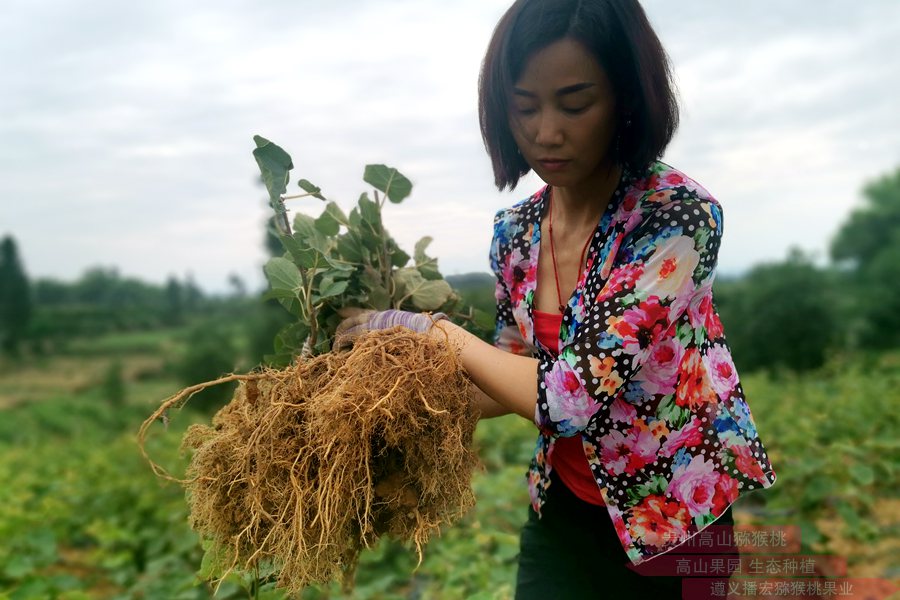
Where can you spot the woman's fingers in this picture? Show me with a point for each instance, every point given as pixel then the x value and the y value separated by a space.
pixel 350 328
pixel 352 311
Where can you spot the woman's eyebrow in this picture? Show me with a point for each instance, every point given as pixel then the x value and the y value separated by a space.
pixel 569 89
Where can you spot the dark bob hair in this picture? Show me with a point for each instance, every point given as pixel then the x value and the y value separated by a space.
pixel 618 35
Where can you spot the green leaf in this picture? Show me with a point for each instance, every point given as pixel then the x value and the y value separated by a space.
pixel 371 240
pixel 399 258
pixel 849 514
pixel 388 180
pixel 311 189
pixel 283 274
pixel 18 567
pixel 278 360
pixel 424 294
pixel 349 247
pixel 379 298
pixel 427 266
pixel 337 264
pixel 290 339
pixel 370 212
pixel 419 251
pixel 326 225
pixel 817 490
pixel 331 219
pixel 863 474
pixel 375 293
pixel 355 218
pixel 336 213
pixel 370 277
pixel 286 284
pixel 274 164
pixel 304 256
pixel 305 229
pixel 211 565
pixel 335 288
pixel 278 294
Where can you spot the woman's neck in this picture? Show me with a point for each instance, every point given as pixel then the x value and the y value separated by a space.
pixel 578 208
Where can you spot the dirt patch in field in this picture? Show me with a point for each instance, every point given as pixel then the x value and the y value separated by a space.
pixel 65 375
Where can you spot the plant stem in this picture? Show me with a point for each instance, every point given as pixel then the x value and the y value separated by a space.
pixel 295 196
pixel 282 223
pixel 311 314
pixel 384 257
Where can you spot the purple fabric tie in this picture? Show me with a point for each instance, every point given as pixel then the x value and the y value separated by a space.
pixel 384 319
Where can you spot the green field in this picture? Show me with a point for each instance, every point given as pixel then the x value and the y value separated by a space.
pixel 82 516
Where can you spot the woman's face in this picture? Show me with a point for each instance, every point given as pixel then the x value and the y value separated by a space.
pixel 562 115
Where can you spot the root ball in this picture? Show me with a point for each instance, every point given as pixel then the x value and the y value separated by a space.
pixel 308 465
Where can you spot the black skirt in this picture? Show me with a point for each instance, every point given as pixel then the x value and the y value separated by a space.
pixel 573 551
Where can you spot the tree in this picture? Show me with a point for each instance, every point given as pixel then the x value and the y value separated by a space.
pixel 237 285
pixel 869 245
pixel 210 353
pixel 871 227
pixel 174 298
pixel 192 296
pixel 15 297
pixel 779 315
pixel 879 298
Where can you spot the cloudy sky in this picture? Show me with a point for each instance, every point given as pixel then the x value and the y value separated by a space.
pixel 127 127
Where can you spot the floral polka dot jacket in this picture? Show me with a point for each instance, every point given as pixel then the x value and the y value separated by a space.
pixel 644 374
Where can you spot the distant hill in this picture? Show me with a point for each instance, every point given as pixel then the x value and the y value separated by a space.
pixel 471 281
pixel 476 289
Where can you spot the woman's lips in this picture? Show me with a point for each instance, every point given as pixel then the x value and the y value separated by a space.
pixel 553 165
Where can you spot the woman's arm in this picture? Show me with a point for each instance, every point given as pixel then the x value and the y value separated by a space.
pixel 488 406
pixel 506 382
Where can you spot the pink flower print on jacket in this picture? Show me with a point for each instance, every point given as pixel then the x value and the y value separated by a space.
pixel 640 327
pixel 694 483
pixel 519 277
pixel 570 400
pixel 673 178
pixel 620 279
pixel 622 412
pixel 701 313
pixel 689 436
pixel 722 371
pixel 628 452
pixel 660 370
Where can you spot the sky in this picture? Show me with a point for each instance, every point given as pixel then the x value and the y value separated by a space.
pixel 127 127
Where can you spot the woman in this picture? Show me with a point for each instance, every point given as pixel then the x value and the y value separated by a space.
pixel 607 337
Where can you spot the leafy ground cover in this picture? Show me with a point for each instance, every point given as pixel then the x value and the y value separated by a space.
pixel 82 516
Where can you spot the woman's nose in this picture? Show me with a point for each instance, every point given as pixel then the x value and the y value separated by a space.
pixel 549 132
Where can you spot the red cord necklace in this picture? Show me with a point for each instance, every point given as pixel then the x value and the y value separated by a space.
pixel 562 307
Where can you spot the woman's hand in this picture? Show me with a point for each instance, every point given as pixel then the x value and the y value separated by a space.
pixel 359 321
pixel 502 382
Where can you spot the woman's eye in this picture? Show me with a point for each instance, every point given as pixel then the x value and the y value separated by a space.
pixel 575 111
pixel 525 111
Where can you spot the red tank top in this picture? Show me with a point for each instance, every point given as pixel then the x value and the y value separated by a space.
pixel 568 458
